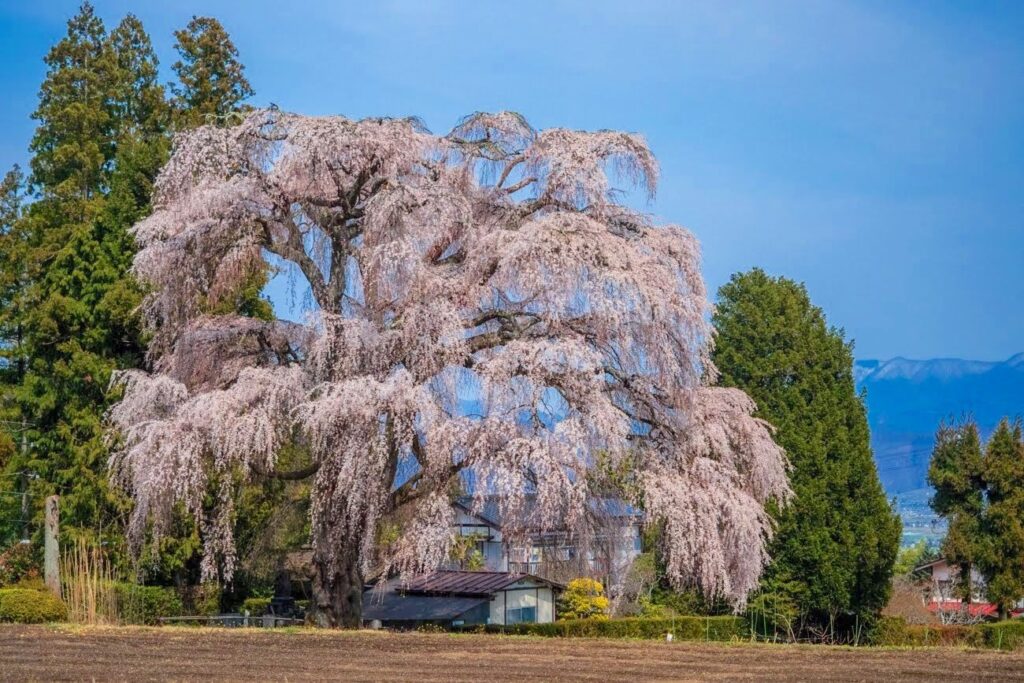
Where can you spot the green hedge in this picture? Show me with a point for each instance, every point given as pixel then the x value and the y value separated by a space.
pixel 146 604
pixel 1004 635
pixel 895 631
pixel 27 606
pixel 890 631
pixel 682 628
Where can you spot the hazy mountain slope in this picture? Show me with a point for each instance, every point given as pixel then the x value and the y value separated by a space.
pixel 907 398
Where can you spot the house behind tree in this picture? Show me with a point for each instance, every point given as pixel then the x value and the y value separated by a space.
pixel 552 554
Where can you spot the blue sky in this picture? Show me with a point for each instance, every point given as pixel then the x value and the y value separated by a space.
pixel 874 150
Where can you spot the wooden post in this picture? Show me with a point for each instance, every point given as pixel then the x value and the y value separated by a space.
pixel 51 554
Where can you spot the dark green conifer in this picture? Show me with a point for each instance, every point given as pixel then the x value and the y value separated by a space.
pixel 956 474
pixel 1002 524
pixel 837 541
pixel 98 146
pixel 211 81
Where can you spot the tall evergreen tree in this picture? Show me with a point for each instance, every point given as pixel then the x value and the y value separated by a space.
pixel 137 100
pixel 837 541
pixel 142 145
pixel 211 80
pixel 67 302
pixel 73 148
pixel 96 151
pixel 1002 537
pixel 956 473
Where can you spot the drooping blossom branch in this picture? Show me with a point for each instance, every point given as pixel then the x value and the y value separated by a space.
pixel 485 316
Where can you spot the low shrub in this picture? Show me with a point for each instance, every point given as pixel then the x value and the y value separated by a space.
pixel 1003 635
pixel 202 600
pixel 890 630
pixel 256 607
pixel 27 606
pixel 18 563
pixel 146 604
pixel 724 628
pixel 32 582
pixel 583 599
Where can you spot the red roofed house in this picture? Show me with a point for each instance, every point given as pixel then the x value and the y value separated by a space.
pixel 943 597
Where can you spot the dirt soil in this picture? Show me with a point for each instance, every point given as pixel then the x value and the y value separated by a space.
pixel 41 653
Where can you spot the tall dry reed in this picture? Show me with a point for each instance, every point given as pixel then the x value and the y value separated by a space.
pixel 88 585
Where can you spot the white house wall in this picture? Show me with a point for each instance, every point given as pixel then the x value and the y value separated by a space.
pixel 495 558
pixel 545 606
pixel 498 608
pixel 524 594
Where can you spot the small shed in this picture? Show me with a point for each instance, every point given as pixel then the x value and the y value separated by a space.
pixel 462 598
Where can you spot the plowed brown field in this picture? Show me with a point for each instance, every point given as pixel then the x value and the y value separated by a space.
pixel 187 654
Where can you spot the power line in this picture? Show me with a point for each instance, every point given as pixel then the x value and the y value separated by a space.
pixel 19 473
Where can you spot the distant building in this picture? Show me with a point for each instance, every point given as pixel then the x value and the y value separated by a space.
pixel 942 596
pixel 945 579
pixel 461 598
pixel 518 581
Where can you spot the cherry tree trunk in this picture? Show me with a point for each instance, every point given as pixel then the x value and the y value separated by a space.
pixel 338 590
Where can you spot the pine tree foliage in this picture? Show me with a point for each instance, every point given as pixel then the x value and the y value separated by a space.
pixel 981 496
pixel 12 282
pixel 99 143
pixel 1001 559
pixel 836 544
pixel 211 80
pixel 956 473
pixel 73 145
pixel 73 148
pixel 68 304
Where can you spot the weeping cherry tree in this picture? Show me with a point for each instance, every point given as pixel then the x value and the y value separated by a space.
pixel 490 267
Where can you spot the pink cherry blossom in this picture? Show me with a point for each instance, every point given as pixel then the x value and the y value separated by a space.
pixel 493 265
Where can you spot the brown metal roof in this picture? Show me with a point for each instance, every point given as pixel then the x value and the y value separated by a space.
pixel 467 583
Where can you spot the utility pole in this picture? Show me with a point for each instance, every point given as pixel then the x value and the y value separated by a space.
pixel 51 554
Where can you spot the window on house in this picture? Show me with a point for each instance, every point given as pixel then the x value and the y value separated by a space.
pixel 521 606
pixel 522 615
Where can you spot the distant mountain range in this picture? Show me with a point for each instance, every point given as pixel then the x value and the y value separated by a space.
pixel 907 399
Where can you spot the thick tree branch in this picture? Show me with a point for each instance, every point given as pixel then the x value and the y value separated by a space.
pixel 509 167
pixel 512 189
